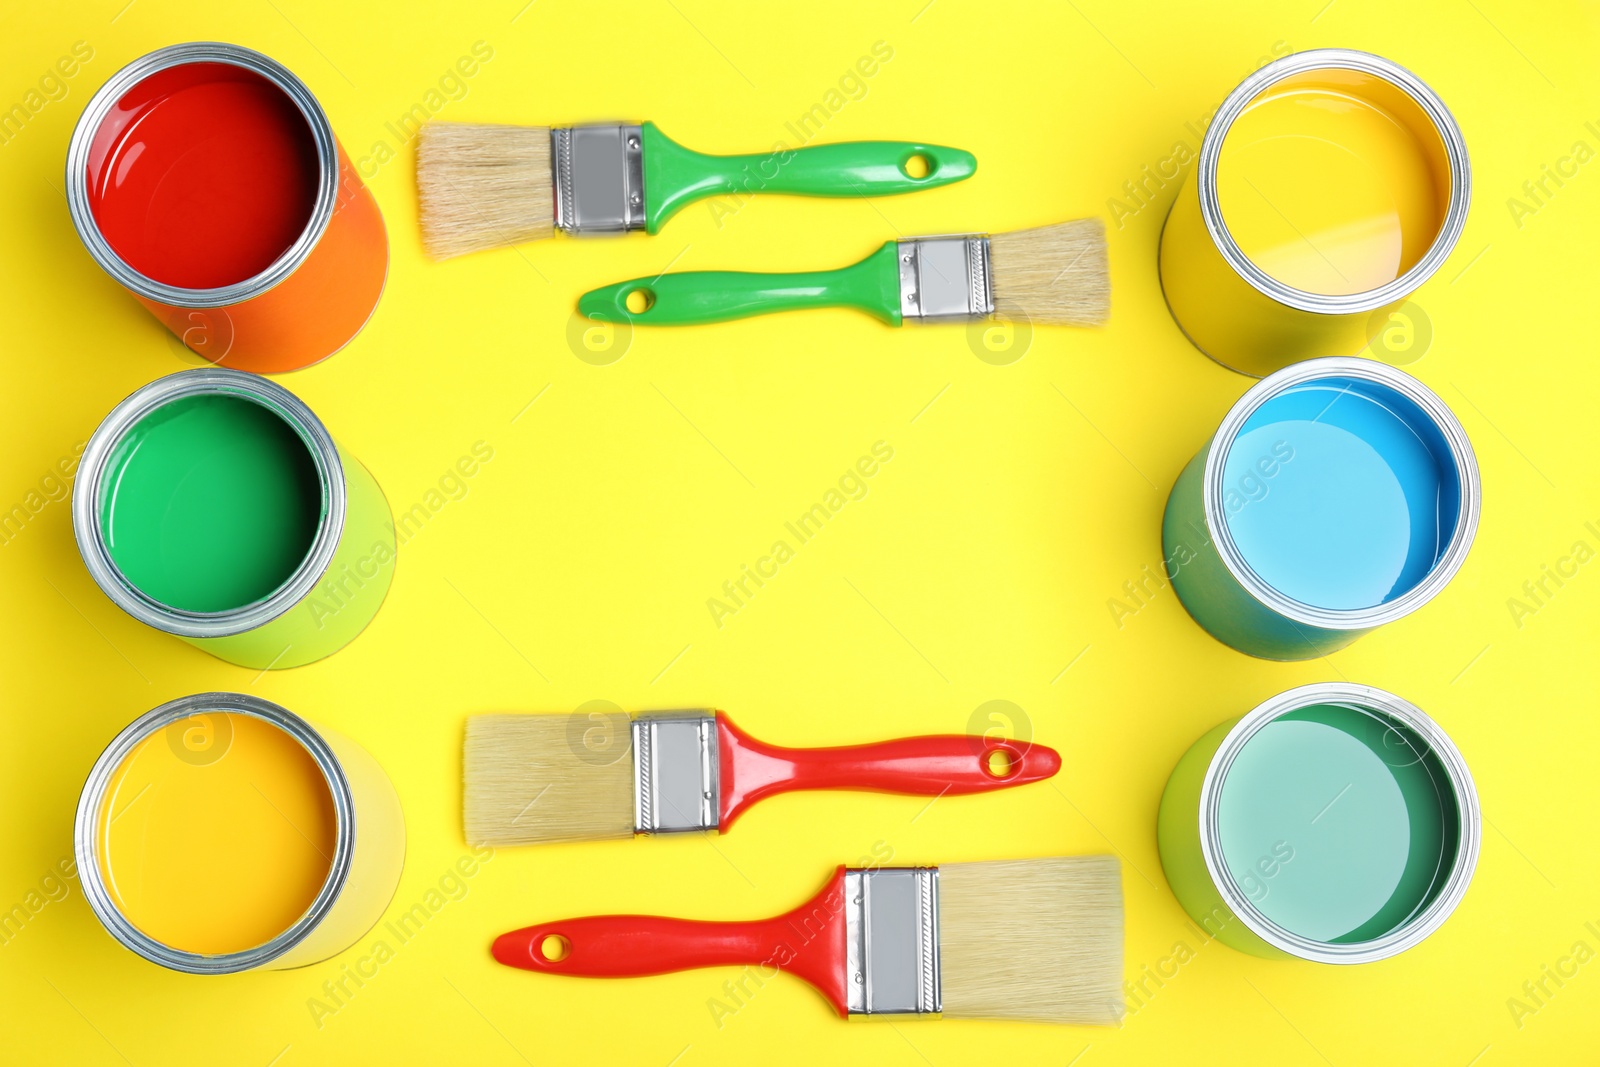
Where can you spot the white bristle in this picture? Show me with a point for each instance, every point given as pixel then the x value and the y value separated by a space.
pixel 1053 274
pixel 1032 939
pixel 526 782
pixel 483 186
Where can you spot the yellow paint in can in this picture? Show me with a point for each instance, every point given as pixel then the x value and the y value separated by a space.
pixel 217 833
pixel 1326 190
pixel 221 833
pixel 1329 186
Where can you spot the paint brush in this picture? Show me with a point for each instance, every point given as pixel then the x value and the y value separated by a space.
pixel 1052 274
pixel 1033 940
pixel 489 186
pixel 537 778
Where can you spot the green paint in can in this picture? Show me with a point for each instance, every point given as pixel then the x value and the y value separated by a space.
pixel 211 503
pixel 215 506
pixel 1334 823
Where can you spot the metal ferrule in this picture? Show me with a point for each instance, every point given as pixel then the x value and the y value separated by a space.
pixel 946 279
pixel 598 173
pixel 892 940
pixel 675 773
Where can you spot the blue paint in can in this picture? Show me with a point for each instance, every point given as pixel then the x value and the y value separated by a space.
pixel 1340 493
pixel 1337 495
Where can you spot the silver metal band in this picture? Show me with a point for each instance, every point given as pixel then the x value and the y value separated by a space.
pixel 675 772
pixel 892 941
pixel 598 173
pixel 946 279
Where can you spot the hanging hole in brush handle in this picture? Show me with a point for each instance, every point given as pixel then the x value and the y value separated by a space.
pixel 1001 762
pixel 675 176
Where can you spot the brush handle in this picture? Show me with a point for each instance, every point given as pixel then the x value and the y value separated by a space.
pixel 696 297
pixel 808 942
pixel 933 765
pixel 675 176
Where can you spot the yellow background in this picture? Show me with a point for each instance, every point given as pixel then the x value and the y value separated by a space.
pixel 979 566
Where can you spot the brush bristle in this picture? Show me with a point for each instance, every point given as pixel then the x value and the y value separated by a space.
pixel 483 186
pixel 1053 274
pixel 526 782
pixel 1032 939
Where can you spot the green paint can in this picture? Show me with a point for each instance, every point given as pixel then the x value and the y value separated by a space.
pixel 212 504
pixel 1334 823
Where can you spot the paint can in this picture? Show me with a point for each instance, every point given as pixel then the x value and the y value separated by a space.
pixel 1335 823
pixel 207 180
pixel 215 506
pixel 1330 185
pixel 1338 494
pixel 162 860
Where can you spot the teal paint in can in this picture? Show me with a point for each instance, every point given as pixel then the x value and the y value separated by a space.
pixel 1335 823
pixel 1337 495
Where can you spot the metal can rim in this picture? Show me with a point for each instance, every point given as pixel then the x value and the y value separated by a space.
pixel 1461 454
pixel 1444 123
pixel 85 831
pixel 88 528
pixel 1408 934
pixel 100 104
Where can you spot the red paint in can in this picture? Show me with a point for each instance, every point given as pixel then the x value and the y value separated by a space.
pixel 207 180
pixel 202 175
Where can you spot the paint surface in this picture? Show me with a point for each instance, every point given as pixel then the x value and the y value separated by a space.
pixel 1327 192
pixel 216 833
pixel 210 503
pixel 1338 825
pixel 203 175
pixel 1340 494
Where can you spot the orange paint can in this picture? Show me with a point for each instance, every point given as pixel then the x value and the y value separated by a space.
pixel 206 179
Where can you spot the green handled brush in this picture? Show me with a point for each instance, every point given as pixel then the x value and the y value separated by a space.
pixel 1053 274
pixel 488 186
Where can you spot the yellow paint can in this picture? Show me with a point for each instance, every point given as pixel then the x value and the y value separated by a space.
pixel 222 833
pixel 1330 185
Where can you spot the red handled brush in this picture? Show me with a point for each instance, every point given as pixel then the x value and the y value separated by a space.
pixel 532 778
pixel 1013 939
